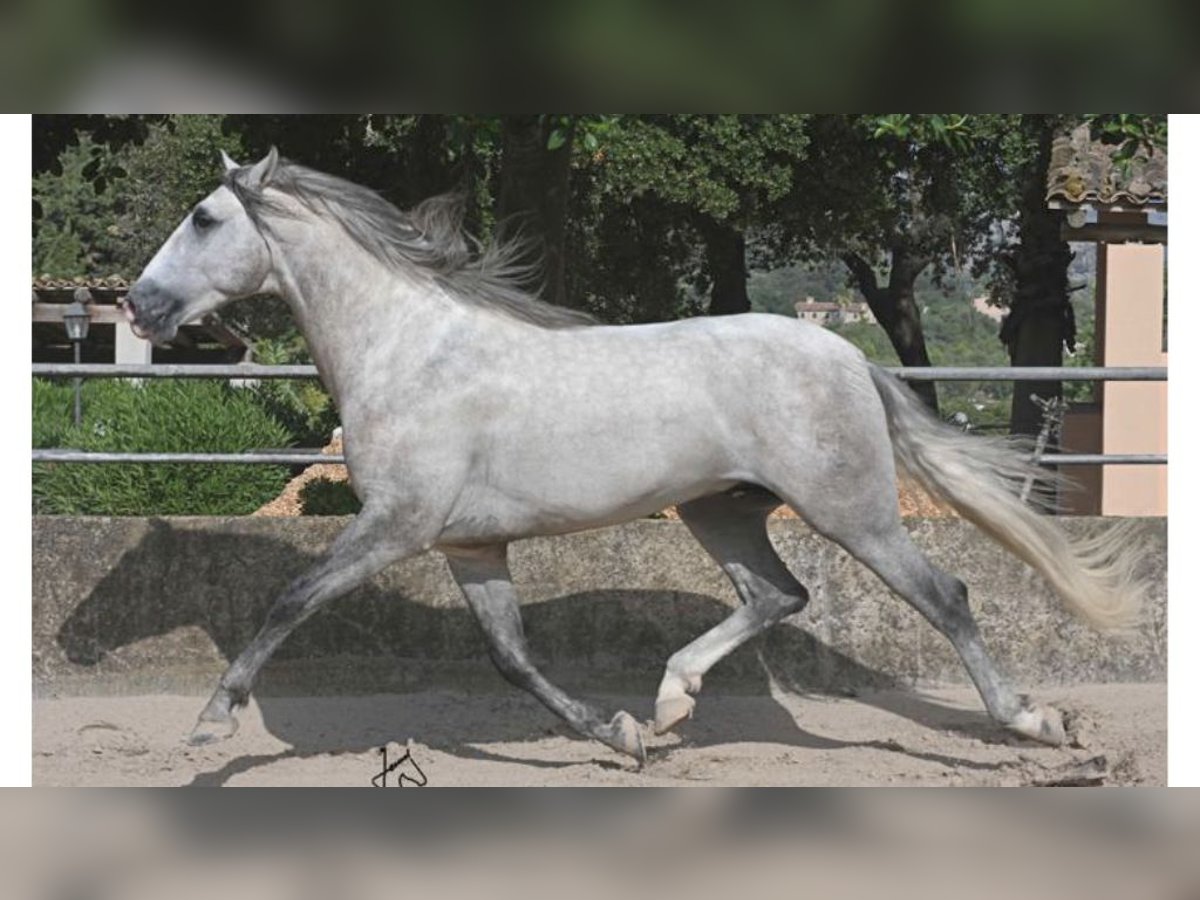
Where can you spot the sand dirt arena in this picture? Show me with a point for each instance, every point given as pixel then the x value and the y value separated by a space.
pixel 1118 736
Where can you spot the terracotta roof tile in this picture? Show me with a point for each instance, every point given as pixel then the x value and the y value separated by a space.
pixel 111 283
pixel 1082 171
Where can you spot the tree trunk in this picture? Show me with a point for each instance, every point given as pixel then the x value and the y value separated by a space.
pixel 725 256
pixel 1040 320
pixel 534 184
pixel 425 171
pixel 1038 341
pixel 895 307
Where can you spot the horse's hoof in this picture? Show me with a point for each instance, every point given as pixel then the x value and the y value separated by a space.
pixel 212 731
pixel 1041 723
pixel 624 735
pixel 670 711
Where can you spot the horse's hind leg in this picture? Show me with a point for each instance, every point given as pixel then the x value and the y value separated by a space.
pixel 856 507
pixel 483 575
pixel 942 599
pixel 732 527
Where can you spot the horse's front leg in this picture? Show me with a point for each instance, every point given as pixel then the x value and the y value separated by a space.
pixel 368 544
pixel 485 581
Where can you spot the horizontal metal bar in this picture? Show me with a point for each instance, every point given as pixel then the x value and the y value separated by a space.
pixel 172 370
pixel 302 457
pixel 1105 459
pixel 908 373
pixel 1030 373
pixel 279 457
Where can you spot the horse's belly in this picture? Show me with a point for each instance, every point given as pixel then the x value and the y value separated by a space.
pixel 498 512
pixel 590 451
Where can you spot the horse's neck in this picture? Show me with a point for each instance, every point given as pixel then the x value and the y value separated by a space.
pixel 363 322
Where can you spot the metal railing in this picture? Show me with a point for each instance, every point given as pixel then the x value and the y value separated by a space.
pixel 248 372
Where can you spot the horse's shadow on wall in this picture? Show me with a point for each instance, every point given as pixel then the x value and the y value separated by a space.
pixel 375 637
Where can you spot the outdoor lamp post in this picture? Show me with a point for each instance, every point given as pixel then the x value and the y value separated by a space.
pixel 77 319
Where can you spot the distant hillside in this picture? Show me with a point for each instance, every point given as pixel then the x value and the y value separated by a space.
pixel 955 332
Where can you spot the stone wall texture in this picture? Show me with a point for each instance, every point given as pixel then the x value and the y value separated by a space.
pixel 134 605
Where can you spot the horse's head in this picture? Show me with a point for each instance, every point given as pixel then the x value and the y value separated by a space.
pixel 217 254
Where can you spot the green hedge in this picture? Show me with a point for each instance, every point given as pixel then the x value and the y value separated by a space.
pixel 303 406
pixel 162 416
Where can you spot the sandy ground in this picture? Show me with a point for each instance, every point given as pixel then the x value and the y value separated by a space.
pixel 939 737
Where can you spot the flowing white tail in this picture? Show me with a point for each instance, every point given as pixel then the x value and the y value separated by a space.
pixel 982 479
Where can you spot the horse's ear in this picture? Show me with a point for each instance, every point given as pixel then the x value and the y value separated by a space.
pixel 264 170
pixel 227 161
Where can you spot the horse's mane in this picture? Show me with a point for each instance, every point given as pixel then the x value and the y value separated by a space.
pixel 491 275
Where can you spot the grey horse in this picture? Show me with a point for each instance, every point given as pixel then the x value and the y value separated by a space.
pixel 476 415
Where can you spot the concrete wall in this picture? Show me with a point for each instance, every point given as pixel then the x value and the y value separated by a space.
pixel 127 605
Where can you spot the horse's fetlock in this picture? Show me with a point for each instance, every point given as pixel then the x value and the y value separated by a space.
pixel 678 680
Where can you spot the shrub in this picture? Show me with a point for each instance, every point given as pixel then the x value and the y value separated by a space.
pixel 303 407
pixel 162 416
pixel 322 497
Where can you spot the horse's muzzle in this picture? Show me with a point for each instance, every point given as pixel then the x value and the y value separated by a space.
pixel 152 313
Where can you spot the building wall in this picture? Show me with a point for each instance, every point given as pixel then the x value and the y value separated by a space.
pixel 1135 413
pixel 828 313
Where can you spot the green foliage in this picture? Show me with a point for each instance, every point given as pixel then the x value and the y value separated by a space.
pixel 175 167
pixel 954 131
pixel 1084 355
pixel 870 339
pixel 75 233
pixel 106 211
pixel 1131 132
pixel 777 290
pixel 643 188
pixel 629 259
pixel 719 166
pixel 935 186
pixel 303 407
pixel 322 497
pixel 163 416
pixel 957 334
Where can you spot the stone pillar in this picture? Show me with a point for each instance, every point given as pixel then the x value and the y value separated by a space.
pixel 1135 413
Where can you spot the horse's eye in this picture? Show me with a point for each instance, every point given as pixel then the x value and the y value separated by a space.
pixel 202 219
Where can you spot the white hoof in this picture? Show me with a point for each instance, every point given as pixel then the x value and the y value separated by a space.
pixel 624 735
pixel 212 731
pixel 670 711
pixel 1041 723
